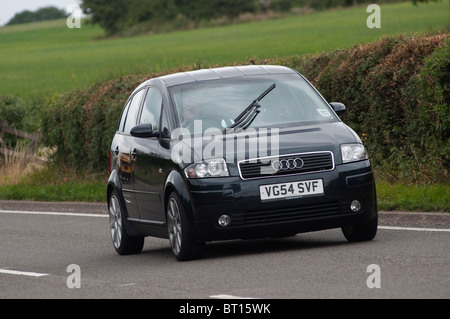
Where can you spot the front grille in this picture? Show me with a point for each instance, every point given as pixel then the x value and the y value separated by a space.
pixel 261 217
pixel 286 165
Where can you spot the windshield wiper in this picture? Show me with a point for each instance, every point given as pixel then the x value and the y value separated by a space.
pixel 246 118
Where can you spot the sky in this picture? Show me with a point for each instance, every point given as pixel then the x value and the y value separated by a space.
pixel 8 8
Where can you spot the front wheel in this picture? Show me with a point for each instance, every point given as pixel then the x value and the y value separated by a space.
pixel 124 244
pixel 183 247
pixel 363 232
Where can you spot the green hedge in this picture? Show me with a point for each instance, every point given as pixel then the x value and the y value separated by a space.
pixel 81 123
pixel 13 111
pixel 396 91
pixel 397 94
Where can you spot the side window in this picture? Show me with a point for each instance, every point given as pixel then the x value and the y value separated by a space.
pixel 152 108
pixel 124 115
pixel 165 133
pixel 133 111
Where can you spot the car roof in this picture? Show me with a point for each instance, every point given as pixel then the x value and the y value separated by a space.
pixel 221 73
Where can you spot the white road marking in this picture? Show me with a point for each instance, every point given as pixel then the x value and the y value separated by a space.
pixel 22 273
pixel 229 297
pixel 415 229
pixel 221 296
pixel 127 285
pixel 52 213
pixel 106 216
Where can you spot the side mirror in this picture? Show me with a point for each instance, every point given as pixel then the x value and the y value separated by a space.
pixel 144 130
pixel 339 108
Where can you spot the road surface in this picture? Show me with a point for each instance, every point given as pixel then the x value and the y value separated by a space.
pixel 58 250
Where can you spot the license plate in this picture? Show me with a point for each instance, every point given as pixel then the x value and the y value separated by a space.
pixel 291 190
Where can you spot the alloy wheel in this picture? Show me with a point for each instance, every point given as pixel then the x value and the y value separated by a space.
pixel 174 225
pixel 115 221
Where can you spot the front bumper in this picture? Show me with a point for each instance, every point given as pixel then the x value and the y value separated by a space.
pixel 252 218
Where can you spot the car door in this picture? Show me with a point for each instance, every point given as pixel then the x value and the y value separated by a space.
pixel 148 175
pixel 122 145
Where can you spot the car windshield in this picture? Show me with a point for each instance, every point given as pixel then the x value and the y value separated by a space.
pixel 217 103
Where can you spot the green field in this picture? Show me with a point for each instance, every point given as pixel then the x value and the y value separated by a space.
pixel 38 60
pixel 41 59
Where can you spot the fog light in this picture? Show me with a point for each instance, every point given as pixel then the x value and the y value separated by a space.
pixel 224 220
pixel 355 206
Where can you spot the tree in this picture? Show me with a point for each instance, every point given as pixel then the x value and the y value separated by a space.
pixel 146 10
pixel 265 4
pixel 108 14
pixel 415 2
pixel 117 15
pixel 46 13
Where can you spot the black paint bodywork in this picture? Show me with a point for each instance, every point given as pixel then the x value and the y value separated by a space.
pixel 144 175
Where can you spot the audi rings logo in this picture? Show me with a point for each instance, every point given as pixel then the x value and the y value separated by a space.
pixel 289 164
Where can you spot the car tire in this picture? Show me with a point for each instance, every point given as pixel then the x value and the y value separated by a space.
pixel 361 232
pixel 183 247
pixel 123 243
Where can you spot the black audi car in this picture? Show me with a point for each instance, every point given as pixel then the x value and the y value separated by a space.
pixel 235 153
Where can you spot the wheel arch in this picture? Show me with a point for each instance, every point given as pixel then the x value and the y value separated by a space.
pixel 113 184
pixel 176 183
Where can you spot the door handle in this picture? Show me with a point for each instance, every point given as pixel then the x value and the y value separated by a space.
pixel 134 154
pixel 116 152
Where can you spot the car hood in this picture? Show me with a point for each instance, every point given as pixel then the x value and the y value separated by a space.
pixel 324 137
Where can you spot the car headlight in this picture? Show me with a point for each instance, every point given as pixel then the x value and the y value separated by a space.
pixel 353 153
pixel 209 168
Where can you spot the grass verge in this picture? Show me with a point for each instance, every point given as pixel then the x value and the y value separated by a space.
pixel 423 198
pixel 56 185
pixel 66 192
